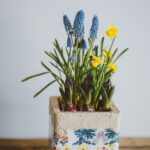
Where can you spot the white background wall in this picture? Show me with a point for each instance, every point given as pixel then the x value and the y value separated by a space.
pixel 28 27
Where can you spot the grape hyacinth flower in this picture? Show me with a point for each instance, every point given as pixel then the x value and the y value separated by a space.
pixel 67 24
pixel 94 28
pixel 74 57
pixel 78 26
pixel 69 43
pixel 84 45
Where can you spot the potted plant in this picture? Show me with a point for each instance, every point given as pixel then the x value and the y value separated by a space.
pixel 83 116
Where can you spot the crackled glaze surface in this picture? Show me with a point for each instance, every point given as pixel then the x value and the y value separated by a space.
pixel 86 139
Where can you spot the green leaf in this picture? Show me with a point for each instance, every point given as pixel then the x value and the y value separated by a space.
pixel 60 56
pixel 102 45
pixel 104 93
pixel 83 94
pixel 47 68
pixel 100 74
pixel 63 65
pixel 84 73
pixel 56 67
pixel 87 55
pixel 120 54
pixel 96 50
pixel 111 92
pixel 112 44
pixel 56 60
pixel 52 56
pixel 114 53
pixel 99 86
pixel 108 75
pixel 44 88
pixel 89 96
pixel 56 44
pixel 33 76
pixel 53 74
pixel 63 95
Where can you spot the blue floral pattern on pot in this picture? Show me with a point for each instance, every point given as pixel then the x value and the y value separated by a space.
pixel 85 136
pixel 87 139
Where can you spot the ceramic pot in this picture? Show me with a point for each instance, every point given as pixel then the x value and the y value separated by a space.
pixel 84 130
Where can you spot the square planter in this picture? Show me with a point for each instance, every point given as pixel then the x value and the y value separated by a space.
pixel 84 130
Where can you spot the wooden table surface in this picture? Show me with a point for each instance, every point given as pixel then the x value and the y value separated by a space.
pixel 43 144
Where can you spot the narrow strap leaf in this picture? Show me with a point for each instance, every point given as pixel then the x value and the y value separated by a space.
pixel 60 51
pixel 45 67
pixel 52 56
pixel 84 96
pixel 101 78
pixel 63 95
pixel 96 50
pixel 86 72
pixel 53 74
pixel 104 93
pixel 120 54
pixel 33 76
pixel 57 61
pixel 56 67
pixel 111 92
pixel 44 88
pixel 102 43
pixel 108 75
pixel 112 44
pixel 114 53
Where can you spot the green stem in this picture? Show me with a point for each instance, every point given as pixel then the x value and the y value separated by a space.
pixel 108 58
pixel 111 44
pixel 75 73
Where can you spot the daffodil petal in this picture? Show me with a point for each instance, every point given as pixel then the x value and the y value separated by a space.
pixel 112 32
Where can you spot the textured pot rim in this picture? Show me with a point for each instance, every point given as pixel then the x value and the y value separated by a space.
pixel 66 120
pixel 56 108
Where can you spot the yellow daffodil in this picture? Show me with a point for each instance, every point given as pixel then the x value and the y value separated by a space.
pixel 82 147
pixel 107 54
pixel 112 32
pixel 98 148
pixel 96 61
pixel 67 147
pixel 113 67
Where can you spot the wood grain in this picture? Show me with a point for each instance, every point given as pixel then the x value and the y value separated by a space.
pixel 43 144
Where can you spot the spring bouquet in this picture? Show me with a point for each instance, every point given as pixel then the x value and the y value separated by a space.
pixel 84 68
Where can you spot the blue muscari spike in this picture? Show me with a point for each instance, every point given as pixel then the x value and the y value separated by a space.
pixel 67 24
pixel 78 26
pixel 84 45
pixel 74 57
pixel 69 44
pixel 94 28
